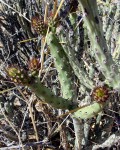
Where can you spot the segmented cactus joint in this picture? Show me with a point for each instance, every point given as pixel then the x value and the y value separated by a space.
pixel 100 94
pixel 89 111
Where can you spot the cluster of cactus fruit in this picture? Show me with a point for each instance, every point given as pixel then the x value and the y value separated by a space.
pixel 38 25
pixel 66 65
pixel 18 75
pixel 34 66
pixel 100 94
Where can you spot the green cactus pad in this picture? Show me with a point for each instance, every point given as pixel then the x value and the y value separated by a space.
pixel 89 111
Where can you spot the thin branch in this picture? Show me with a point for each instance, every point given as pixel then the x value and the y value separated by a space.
pixel 15 10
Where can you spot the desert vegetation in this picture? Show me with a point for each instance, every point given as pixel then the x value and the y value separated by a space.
pixel 59 74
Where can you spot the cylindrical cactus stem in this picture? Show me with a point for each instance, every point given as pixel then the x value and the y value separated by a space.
pixel 115 32
pixel 116 36
pixel 74 40
pixel 62 66
pixel 76 66
pixel 107 21
pixel 98 44
pixel 110 26
pixel 48 96
pixel 116 53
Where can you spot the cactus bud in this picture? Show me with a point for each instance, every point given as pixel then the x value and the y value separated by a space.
pixel 100 94
pixel 38 25
pixel 34 65
pixel 18 75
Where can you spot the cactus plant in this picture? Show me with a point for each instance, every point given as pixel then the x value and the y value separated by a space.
pixel 83 61
pixel 64 73
pixel 18 76
pixel 58 102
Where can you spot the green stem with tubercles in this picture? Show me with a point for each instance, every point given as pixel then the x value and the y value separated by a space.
pixel 48 96
pixel 98 43
pixel 62 66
